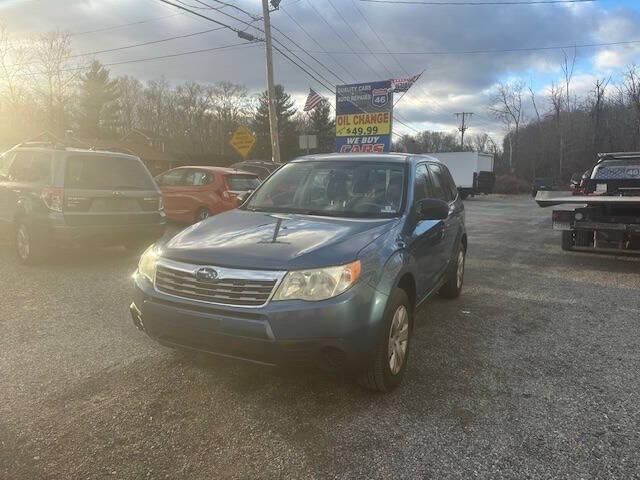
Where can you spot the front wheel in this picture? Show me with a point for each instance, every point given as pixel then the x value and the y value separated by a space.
pixel 389 364
pixel 455 276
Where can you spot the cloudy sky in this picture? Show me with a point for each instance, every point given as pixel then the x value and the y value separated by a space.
pixel 355 41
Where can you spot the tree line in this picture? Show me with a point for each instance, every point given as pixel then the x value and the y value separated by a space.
pixel 558 133
pixel 43 87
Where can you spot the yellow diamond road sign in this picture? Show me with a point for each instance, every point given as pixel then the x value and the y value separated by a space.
pixel 243 140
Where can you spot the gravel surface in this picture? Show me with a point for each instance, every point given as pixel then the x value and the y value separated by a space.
pixel 532 373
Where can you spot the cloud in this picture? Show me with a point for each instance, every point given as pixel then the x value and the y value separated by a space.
pixel 450 83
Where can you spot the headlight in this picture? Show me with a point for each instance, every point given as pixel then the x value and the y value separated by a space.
pixel 149 261
pixel 318 284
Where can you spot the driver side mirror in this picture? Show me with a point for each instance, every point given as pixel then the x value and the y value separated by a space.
pixel 432 209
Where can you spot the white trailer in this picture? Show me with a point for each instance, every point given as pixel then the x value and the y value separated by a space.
pixel 472 171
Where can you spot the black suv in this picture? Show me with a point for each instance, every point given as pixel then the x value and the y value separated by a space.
pixel 57 196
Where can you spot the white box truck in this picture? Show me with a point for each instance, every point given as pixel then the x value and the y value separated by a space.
pixel 472 171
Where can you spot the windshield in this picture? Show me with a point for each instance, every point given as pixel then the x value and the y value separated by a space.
pixel 345 189
pixel 242 182
pixel 99 172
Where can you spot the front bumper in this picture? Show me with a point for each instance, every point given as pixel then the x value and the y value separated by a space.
pixel 341 333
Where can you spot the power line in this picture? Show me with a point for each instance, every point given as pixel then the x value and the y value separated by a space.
pixel 499 50
pixel 329 88
pixel 458 4
pixel 181 7
pixel 126 47
pixel 114 27
pixel 160 57
pixel 280 43
pixel 282 9
pixel 309 2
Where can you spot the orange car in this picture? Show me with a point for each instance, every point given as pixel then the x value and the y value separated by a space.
pixel 192 194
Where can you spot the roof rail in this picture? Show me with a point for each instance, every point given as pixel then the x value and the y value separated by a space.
pixel 619 154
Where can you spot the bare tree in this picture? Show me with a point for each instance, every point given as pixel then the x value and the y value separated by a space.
pixel 51 64
pixel 130 94
pixel 480 142
pixel 557 100
pixel 232 106
pixel 597 110
pixel 507 108
pixel 631 86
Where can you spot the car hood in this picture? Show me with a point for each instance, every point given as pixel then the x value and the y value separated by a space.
pixel 270 241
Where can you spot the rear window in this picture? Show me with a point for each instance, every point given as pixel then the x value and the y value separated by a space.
pixel 104 172
pixel 241 182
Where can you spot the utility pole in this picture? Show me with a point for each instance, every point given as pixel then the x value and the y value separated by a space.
pixel 271 90
pixel 463 126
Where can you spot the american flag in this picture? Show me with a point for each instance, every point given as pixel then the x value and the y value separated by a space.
pixel 313 100
pixel 403 84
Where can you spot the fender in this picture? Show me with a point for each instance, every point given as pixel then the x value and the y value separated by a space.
pixel 394 269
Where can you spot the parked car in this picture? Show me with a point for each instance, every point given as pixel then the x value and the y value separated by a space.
pixel 261 168
pixel 192 194
pixel 325 263
pixel 55 196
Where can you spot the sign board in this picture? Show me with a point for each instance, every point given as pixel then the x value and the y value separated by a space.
pixel 243 140
pixel 308 142
pixel 364 115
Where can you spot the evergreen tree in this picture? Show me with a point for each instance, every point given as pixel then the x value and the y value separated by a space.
pixel 98 101
pixel 285 111
pixel 322 125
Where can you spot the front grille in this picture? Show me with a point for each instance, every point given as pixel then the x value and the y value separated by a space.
pixel 227 290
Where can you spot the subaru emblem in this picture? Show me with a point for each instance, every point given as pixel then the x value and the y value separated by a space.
pixel 206 274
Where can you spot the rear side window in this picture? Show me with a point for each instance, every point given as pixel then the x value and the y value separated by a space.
pixel 171 179
pixel 441 187
pixel 241 182
pixel 105 172
pixel 31 167
pixel 197 178
pixel 422 186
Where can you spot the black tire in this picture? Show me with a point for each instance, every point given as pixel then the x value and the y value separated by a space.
pixel 30 250
pixel 567 240
pixel 379 376
pixel 454 278
pixel 202 214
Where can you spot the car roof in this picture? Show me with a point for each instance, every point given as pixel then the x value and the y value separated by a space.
pixel 220 170
pixel 87 151
pixel 368 157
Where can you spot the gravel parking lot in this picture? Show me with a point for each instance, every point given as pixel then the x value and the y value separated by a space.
pixel 532 373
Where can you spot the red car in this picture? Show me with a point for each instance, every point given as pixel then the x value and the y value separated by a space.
pixel 192 194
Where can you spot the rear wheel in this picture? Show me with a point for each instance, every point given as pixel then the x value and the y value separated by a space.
pixel 202 214
pixel 29 249
pixel 390 362
pixel 455 276
pixel 567 240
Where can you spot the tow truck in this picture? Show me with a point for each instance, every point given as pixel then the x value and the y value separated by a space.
pixel 602 214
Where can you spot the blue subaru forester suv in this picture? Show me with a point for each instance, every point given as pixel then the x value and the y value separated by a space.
pixel 325 263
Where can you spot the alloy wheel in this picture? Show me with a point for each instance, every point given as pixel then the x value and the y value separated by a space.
pixel 398 339
pixel 460 268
